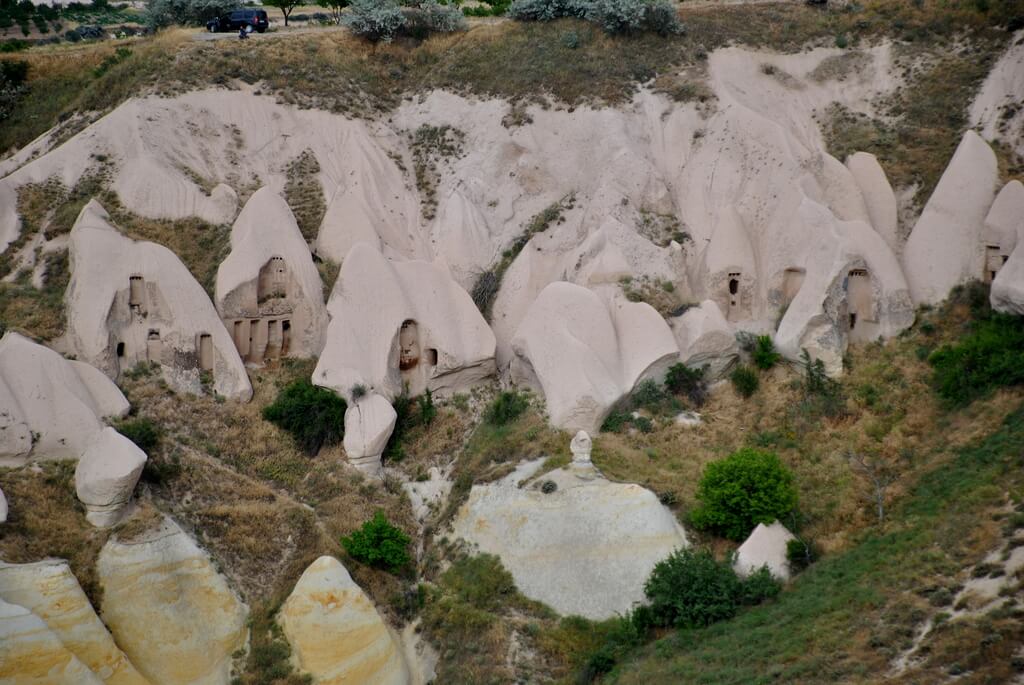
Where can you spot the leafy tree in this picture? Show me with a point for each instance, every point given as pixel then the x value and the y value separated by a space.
pixel 314 416
pixel 746 488
pixel 379 544
pixel 334 7
pixel 690 589
pixel 375 20
pixel 160 13
pixel 286 7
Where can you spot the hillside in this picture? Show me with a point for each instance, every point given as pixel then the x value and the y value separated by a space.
pixel 503 298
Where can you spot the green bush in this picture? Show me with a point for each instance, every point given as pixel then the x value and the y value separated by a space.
pixel 427 409
pixel 746 488
pixel 143 432
pixel 315 417
pixel 800 555
pixel 682 380
pixel 823 396
pixel 506 408
pixel 690 589
pixel 634 16
pixel 481 581
pixel 374 20
pixel 990 356
pixel 430 17
pixel 744 380
pixel 759 586
pixel 379 544
pixel 764 355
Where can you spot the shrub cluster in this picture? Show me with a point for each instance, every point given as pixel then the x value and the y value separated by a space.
pixel 506 408
pixel 682 380
pixel 823 396
pixel 691 589
pixel 143 432
pixel 314 416
pixel 745 380
pixel 379 544
pixel 382 20
pixel 764 355
pixel 990 356
pixel 746 488
pixel 161 13
pixel 616 17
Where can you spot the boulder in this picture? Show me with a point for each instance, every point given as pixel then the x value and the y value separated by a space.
pixel 706 339
pixel 268 291
pixel 878 196
pixel 51 592
pixel 944 249
pixel 106 476
pixel 585 355
pixel 132 302
pixel 335 632
pixel 585 549
pixel 31 654
pixel 50 408
pixel 368 425
pixel 766 546
pixel 402 326
pixel 169 609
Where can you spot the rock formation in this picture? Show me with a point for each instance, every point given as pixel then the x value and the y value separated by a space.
pixel 335 632
pixel 369 422
pixel 133 302
pixel 169 610
pixel 268 290
pixel 106 476
pixel 581 447
pixel 31 654
pixel 3 507
pixel 586 548
pixel 1003 237
pixel 402 326
pixel 706 339
pixel 878 196
pixel 585 355
pixel 945 248
pixel 766 546
pixel 50 407
pixel 51 592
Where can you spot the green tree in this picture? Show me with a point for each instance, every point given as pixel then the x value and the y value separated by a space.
pixel 746 488
pixel 379 544
pixel 334 7
pixel 286 7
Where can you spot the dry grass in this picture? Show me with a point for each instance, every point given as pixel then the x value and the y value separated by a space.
pixel 304 195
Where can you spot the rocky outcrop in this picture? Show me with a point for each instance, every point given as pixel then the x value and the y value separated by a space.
pixel 133 302
pixel 50 407
pixel 402 326
pixel 586 548
pixel 268 290
pixel 3 507
pixel 31 654
pixel 766 546
pixel 878 196
pixel 706 339
pixel 51 592
pixel 368 425
pixel 335 632
pixel 106 476
pixel 1003 240
pixel 945 249
pixel 585 355
pixel 169 610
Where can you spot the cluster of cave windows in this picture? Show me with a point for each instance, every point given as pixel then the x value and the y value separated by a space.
pixel 261 340
pixel 410 353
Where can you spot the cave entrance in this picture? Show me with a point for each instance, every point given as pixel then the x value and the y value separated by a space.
pixel 286 337
pixel 205 352
pixel 408 345
pixel 273 349
pixel 273 280
pixel 154 346
pixel 792 281
pixel 136 293
pixel 993 262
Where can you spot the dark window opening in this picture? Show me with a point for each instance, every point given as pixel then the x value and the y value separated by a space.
pixel 734 286
pixel 432 356
pixel 853 320
pixel 120 349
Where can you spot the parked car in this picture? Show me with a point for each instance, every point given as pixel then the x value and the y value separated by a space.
pixel 239 19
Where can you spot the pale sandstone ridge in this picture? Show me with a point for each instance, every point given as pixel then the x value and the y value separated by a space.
pixel 402 325
pixel 335 632
pixel 169 610
pixel 766 546
pixel 1004 249
pixel 268 290
pixel 369 422
pixel 878 196
pixel 106 476
pixel 945 249
pixel 31 654
pixel 587 548
pixel 51 592
pixel 50 407
pixel 706 339
pixel 132 302
pixel 585 355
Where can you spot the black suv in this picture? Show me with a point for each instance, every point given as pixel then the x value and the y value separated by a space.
pixel 239 19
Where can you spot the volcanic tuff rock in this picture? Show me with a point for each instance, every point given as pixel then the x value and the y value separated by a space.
pixel 132 302
pixel 401 326
pixel 167 607
pixel 269 281
pixel 586 548
pixel 368 424
pixel 50 591
pixel 766 546
pixel 50 407
pixel 706 339
pixel 106 476
pixel 584 355
pixel 335 632
pixel 31 654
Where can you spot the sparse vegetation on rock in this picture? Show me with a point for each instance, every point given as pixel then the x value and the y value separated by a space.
pixel 315 417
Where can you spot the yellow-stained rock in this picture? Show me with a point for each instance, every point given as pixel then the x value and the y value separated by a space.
pixel 50 591
pixel 31 654
pixel 335 632
pixel 168 608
